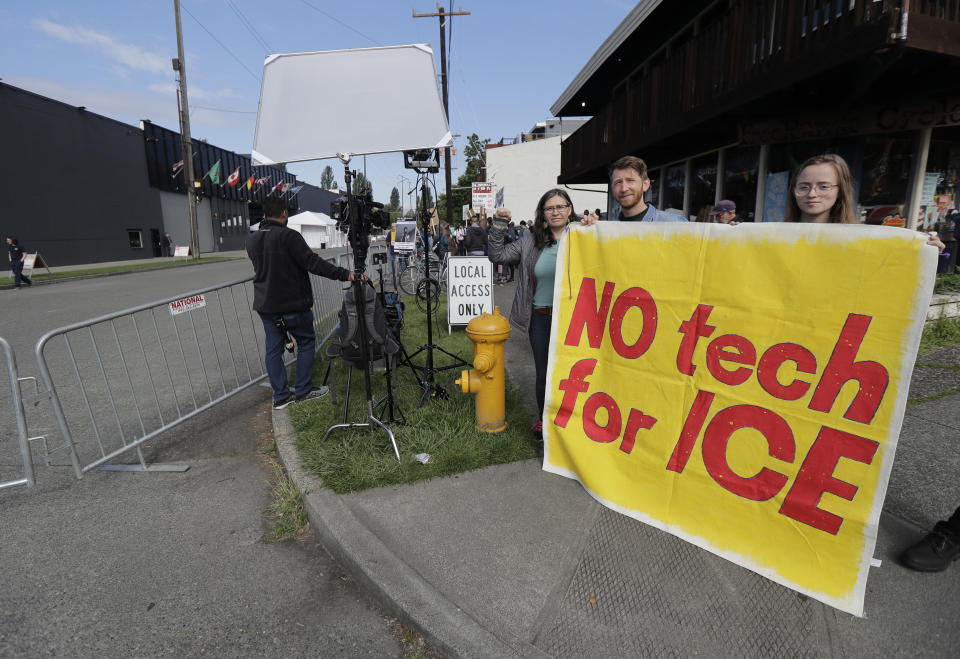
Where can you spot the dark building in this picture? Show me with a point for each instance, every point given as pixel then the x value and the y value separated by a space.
pixel 91 189
pixel 724 98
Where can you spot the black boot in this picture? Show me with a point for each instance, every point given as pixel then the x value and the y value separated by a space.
pixel 935 552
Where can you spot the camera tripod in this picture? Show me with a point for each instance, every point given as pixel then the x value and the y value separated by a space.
pixel 427 372
pixel 359 242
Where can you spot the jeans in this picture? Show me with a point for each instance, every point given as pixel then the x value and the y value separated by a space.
pixel 17 267
pixel 300 326
pixel 540 343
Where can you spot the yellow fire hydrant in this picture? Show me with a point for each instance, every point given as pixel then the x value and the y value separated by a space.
pixel 488 332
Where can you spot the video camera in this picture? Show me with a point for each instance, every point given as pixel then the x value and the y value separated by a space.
pixel 371 213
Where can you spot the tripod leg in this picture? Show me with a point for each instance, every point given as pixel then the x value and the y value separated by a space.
pixel 346 396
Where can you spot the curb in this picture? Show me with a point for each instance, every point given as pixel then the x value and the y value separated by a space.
pixel 400 589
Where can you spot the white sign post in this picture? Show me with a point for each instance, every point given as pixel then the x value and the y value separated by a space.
pixel 469 289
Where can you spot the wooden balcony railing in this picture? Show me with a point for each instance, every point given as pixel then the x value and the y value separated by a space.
pixel 734 50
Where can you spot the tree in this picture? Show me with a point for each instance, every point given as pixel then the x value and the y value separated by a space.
pixel 326 178
pixel 361 185
pixel 475 155
pixel 394 199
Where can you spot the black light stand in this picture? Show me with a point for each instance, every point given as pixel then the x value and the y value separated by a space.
pixel 428 385
pixel 359 242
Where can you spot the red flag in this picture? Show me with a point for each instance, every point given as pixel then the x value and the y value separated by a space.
pixel 177 167
pixel 234 178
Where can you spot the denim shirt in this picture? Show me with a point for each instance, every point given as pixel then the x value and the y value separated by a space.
pixel 654 214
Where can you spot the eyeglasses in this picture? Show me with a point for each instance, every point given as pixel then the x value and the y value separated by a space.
pixel 556 209
pixel 821 188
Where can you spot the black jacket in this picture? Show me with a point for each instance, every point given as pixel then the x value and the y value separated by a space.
pixel 281 260
pixel 475 240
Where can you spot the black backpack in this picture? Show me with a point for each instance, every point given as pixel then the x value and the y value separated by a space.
pixel 346 343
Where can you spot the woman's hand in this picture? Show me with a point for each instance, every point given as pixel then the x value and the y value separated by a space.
pixel 934 240
pixel 587 220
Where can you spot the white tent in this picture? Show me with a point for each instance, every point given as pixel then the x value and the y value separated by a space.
pixel 318 229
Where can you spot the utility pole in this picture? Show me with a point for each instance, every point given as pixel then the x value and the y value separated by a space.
pixel 187 145
pixel 446 104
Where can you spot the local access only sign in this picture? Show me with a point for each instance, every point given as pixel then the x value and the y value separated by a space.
pixel 469 288
pixel 742 388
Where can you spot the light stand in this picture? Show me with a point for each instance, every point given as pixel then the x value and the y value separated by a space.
pixel 428 385
pixel 359 241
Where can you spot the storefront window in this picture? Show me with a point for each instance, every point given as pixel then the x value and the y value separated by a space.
pixel 673 186
pixel 653 194
pixel 703 184
pixel 887 160
pixel 939 199
pixel 740 180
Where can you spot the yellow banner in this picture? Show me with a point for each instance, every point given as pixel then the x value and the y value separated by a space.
pixel 740 387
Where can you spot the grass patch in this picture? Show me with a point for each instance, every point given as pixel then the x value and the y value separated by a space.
pixel 351 460
pixel 947 284
pixel 287 511
pixel 37 275
pixel 940 333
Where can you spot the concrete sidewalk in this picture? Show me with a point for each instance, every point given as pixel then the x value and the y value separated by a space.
pixel 513 561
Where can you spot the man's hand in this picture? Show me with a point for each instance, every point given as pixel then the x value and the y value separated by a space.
pixel 587 220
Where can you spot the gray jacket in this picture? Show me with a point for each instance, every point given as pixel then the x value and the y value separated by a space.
pixel 525 253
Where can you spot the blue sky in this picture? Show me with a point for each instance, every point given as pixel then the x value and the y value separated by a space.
pixel 509 61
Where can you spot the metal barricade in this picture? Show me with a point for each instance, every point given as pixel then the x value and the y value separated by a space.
pixel 22 443
pixel 120 380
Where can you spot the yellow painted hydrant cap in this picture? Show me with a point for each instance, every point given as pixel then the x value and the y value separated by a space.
pixel 489 326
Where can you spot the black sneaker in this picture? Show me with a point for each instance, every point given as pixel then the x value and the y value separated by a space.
pixel 316 392
pixel 935 552
pixel 280 404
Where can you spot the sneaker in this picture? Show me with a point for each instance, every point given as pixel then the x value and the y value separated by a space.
pixel 935 552
pixel 316 392
pixel 282 403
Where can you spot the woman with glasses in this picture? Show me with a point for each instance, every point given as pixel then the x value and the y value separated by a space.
pixel 536 254
pixel 822 191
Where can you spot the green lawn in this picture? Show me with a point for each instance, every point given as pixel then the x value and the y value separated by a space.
pixel 43 275
pixel 351 460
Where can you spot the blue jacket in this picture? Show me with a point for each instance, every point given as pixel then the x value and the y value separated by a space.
pixel 654 214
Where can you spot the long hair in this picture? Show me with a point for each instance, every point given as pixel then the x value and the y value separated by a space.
pixel 13 240
pixel 542 236
pixel 842 211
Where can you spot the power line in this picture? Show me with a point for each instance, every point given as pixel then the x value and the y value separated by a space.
pixel 255 76
pixel 337 20
pixel 250 27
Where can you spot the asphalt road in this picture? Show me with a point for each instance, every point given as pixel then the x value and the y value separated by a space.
pixel 144 564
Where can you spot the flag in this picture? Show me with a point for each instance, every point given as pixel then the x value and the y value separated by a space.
pixel 251 180
pixel 295 190
pixel 177 168
pixel 214 173
pixel 277 188
pixel 234 178
pixel 260 181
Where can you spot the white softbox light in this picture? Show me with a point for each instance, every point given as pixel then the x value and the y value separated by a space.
pixel 368 100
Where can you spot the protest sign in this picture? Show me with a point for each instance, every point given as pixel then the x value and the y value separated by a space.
pixel 740 387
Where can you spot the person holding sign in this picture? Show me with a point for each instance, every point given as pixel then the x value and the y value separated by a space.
pixel 536 254
pixel 16 256
pixel 823 193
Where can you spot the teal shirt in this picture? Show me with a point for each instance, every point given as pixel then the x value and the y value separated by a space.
pixel 544 272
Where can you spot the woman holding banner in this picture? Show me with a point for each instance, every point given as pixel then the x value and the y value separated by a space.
pixel 536 254
pixel 823 193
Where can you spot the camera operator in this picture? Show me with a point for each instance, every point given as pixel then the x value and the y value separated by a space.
pixel 283 297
